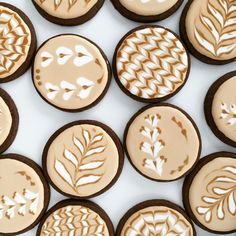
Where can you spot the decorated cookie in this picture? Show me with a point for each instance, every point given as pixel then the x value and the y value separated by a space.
pixel 220 108
pixel 156 217
pixel 68 12
pixel 9 120
pixel 209 193
pixel 146 10
pixel 24 194
pixel 71 73
pixel 83 159
pixel 151 64
pixel 208 29
pixel 162 142
pixel 17 42
pixel 76 218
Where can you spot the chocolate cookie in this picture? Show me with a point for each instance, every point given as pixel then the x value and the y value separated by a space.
pixel 155 217
pixel 146 10
pixel 9 120
pixel 220 108
pixel 208 29
pixel 162 142
pixel 17 42
pixel 71 73
pixel 209 193
pixel 71 217
pixel 24 194
pixel 68 12
pixel 83 159
pixel 151 64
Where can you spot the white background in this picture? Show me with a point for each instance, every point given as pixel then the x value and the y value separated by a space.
pixel 38 120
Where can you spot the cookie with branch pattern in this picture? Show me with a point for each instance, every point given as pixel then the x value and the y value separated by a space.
pixel 208 29
pixel 209 193
pixel 68 12
pixel 155 217
pixel 24 194
pixel 151 64
pixel 83 159
pixel 17 42
pixel 220 108
pixel 162 142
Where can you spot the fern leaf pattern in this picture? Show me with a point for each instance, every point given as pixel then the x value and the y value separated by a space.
pixel 228 112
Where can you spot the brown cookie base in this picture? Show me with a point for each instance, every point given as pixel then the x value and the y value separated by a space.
pixel 81 122
pixel 188 181
pixel 74 21
pixel 25 66
pixel 15 120
pixel 47 193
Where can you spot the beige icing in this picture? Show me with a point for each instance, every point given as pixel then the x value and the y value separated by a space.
pixel 22 196
pixel 5 121
pixel 74 220
pixel 15 40
pixel 157 220
pixel 82 160
pixel 148 7
pixel 214 205
pixel 224 108
pixel 66 9
pixel 162 143
pixel 70 72
pixel 210 26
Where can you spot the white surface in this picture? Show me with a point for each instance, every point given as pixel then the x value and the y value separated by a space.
pixel 38 120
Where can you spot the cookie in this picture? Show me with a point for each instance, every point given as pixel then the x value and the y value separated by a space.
pixel 208 30
pixel 220 108
pixel 71 217
pixel 155 217
pixel 17 42
pixel 83 159
pixel 209 193
pixel 9 120
pixel 151 64
pixel 68 12
pixel 162 142
pixel 71 73
pixel 146 10
pixel 24 194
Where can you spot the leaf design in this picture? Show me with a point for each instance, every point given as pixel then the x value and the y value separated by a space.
pixel 71 3
pixel 63 172
pixel 57 3
pixel 228 112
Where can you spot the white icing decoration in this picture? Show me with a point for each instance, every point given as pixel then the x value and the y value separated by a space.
pixel 83 56
pixel 47 59
pixel 64 54
pixel 229 113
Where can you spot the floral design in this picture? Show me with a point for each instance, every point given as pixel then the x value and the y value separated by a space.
pixel 228 112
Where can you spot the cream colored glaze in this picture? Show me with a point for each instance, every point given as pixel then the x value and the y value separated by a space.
pixel 202 186
pixel 85 222
pixel 225 95
pixel 149 7
pixel 193 21
pixel 94 71
pixel 5 121
pixel 14 48
pixel 12 182
pixel 64 9
pixel 157 220
pixel 179 150
pixel 107 158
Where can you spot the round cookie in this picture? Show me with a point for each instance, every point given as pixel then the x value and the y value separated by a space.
pixel 17 42
pixel 68 12
pixel 146 10
pixel 71 73
pixel 155 217
pixel 220 108
pixel 208 30
pixel 83 159
pixel 162 142
pixel 209 193
pixel 71 217
pixel 24 194
pixel 9 120
pixel 151 64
